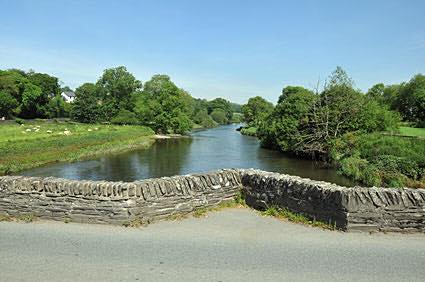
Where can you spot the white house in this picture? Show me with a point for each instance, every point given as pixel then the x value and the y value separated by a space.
pixel 68 96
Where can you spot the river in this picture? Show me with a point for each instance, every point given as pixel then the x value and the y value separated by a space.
pixel 204 150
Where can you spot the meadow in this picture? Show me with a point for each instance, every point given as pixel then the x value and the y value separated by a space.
pixel 32 144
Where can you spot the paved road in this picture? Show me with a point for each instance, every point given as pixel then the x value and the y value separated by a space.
pixel 232 245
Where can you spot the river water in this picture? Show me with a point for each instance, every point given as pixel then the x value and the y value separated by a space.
pixel 204 150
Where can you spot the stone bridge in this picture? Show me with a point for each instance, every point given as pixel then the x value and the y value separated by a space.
pixel 348 208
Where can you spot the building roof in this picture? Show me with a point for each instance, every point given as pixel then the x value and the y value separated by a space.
pixel 69 93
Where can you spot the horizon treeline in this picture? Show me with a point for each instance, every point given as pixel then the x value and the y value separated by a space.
pixel 116 97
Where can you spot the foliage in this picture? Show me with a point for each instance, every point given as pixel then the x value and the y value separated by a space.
pixel 57 107
pixel 236 118
pixel 7 104
pixel 203 119
pixel 48 84
pixel 283 128
pixel 116 87
pixel 125 117
pixel 381 160
pixel 236 108
pixel 411 101
pixel 249 131
pixel 306 123
pixel 88 106
pixel 163 106
pixel 219 116
pixel 223 105
pixel 31 91
pixel 256 111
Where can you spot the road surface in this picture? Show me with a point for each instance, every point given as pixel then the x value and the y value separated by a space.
pixel 231 245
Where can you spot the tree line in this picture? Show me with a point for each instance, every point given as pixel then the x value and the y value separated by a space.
pixel 116 97
pixel 30 95
pixel 336 123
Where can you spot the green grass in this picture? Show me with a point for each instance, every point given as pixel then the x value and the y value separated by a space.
pixel 285 214
pixel 412 131
pixel 27 218
pixel 236 203
pixel 38 143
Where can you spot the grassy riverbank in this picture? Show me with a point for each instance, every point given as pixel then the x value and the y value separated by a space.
pixel 38 143
pixel 378 159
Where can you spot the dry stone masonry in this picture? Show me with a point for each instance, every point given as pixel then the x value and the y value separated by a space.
pixel 355 208
pixel 349 208
pixel 115 202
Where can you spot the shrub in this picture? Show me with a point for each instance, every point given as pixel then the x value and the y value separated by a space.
pixel 394 164
pixel 250 131
pixel 360 170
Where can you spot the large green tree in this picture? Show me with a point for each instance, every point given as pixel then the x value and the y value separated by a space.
pixel 163 106
pixel 88 104
pixel 222 104
pixel 116 86
pixel 7 104
pixel 256 110
pixel 411 101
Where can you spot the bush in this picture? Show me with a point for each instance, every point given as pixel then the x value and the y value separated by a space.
pixel 125 117
pixel 394 164
pixel 360 170
pixel 250 131
pixel 376 159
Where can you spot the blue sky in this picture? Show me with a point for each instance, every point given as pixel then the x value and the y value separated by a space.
pixel 230 49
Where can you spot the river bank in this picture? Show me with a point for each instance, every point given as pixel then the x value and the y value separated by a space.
pixel 36 143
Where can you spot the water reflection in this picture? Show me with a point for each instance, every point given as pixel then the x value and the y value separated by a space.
pixel 205 150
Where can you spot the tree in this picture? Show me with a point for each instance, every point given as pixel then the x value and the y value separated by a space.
pixel 203 119
pixel 223 104
pixel 65 89
pixel 125 117
pixel 307 123
pixel 30 108
pixel 219 116
pixel 256 110
pixel 163 106
pixel 291 90
pixel 48 84
pixel 88 105
pixel 376 92
pixel 57 107
pixel 391 96
pixel 116 87
pixel 7 104
pixel 411 101
pixel 283 129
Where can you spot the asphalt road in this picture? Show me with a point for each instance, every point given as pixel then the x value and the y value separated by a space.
pixel 232 245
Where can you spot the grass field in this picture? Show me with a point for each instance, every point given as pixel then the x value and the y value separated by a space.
pixel 412 131
pixel 37 143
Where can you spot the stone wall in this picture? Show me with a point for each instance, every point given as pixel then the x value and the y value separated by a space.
pixel 115 202
pixel 355 208
pixel 351 209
